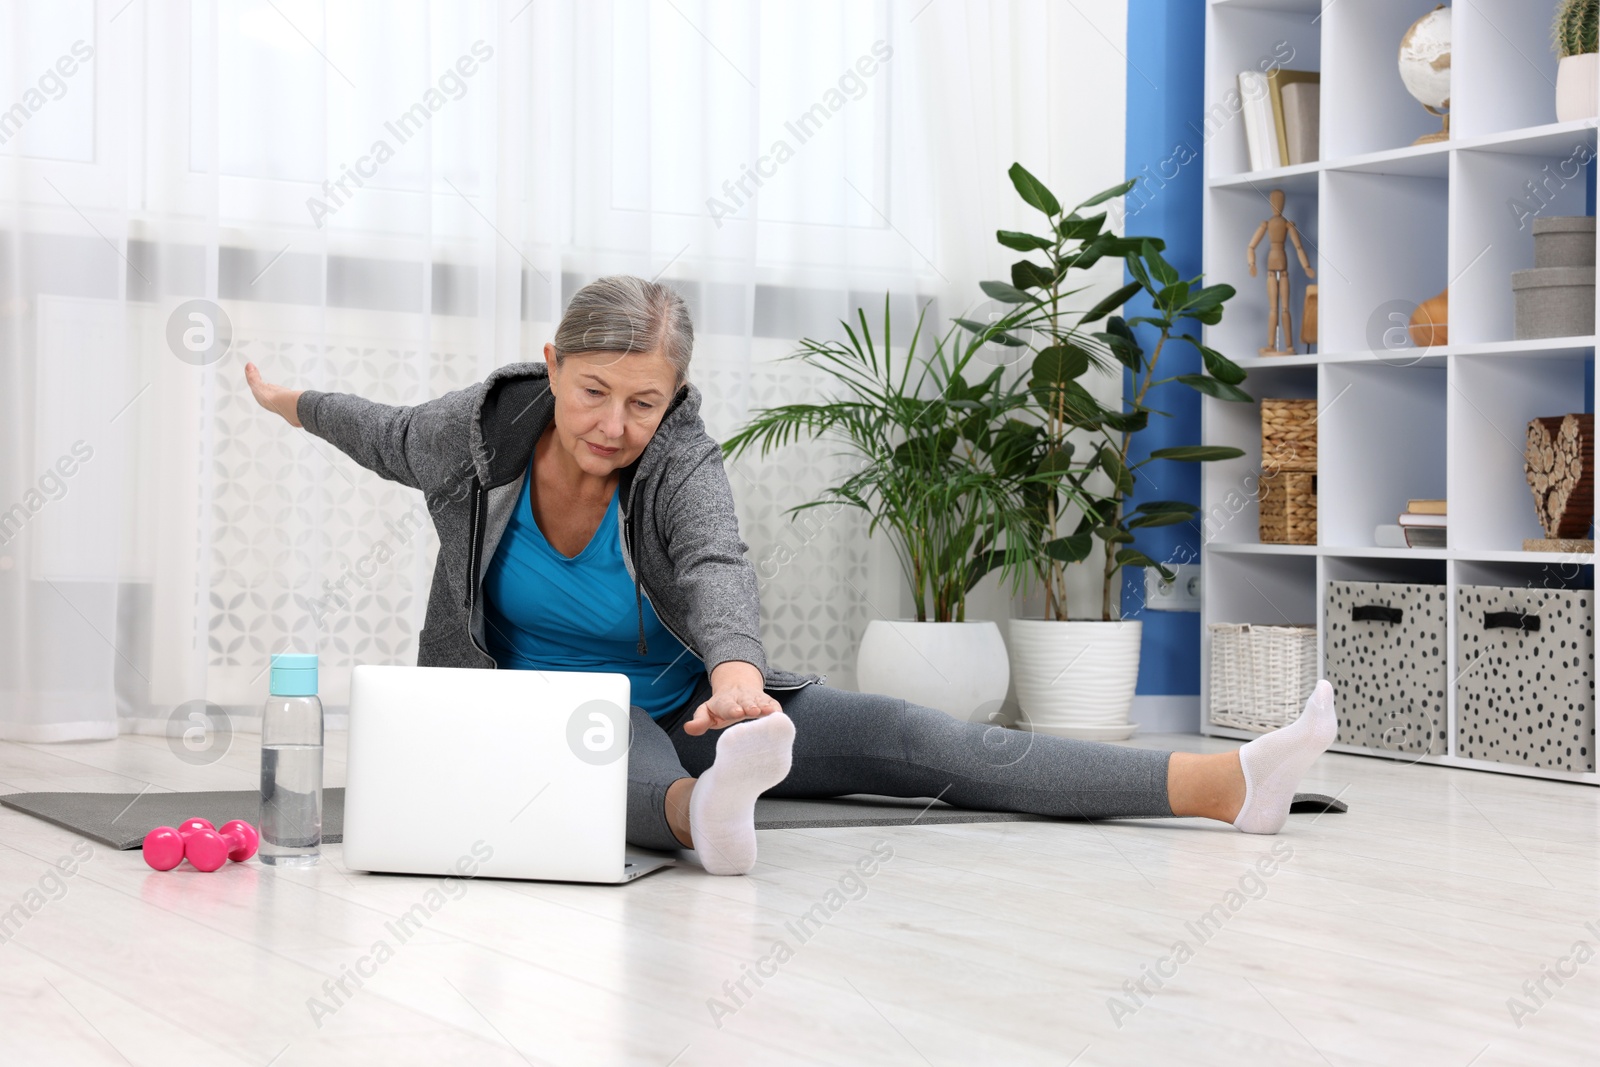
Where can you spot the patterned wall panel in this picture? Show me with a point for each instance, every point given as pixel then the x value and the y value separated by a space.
pixel 305 547
pixel 813 566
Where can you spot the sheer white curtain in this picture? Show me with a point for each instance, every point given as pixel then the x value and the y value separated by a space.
pixel 395 198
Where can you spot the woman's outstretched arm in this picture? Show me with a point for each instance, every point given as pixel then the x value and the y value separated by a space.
pixel 708 559
pixel 426 446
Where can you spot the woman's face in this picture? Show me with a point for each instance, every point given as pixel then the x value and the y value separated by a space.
pixel 608 405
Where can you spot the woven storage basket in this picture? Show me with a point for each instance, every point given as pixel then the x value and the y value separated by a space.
pixel 1288 435
pixel 1261 675
pixel 1288 507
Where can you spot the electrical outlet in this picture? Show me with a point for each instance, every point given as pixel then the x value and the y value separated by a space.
pixel 1180 594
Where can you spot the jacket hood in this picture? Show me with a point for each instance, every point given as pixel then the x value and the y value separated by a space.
pixel 516 405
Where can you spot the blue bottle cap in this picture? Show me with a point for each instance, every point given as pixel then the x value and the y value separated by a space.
pixel 294 674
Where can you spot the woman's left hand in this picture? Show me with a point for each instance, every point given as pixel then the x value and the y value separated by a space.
pixel 275 398
pixel 735 703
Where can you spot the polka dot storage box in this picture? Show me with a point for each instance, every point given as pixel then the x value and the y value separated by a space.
pixel 1525 669
pixel 1384 650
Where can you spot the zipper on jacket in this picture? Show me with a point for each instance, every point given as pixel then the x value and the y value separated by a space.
pixel 638 574
pixel 474 553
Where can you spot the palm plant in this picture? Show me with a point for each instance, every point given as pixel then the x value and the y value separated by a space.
pixel 938 465
pixel 1079 448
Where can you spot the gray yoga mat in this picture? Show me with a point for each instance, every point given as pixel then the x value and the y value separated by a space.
pixel 120 820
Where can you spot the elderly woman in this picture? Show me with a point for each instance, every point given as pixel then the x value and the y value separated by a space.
pixel 586 523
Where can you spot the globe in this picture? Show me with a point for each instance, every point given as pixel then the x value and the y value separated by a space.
pixel 1425 66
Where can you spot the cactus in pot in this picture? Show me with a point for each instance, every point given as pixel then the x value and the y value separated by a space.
pixel 1577 28
pixel 1576 36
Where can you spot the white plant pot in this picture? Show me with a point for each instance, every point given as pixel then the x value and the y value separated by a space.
pixel 1578 87
pixel 958 667
pixel 1076 679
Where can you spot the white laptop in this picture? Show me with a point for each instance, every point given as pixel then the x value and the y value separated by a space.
pixel 496 774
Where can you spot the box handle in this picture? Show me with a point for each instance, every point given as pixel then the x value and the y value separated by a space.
pixel 1493 620
pixel 1375 613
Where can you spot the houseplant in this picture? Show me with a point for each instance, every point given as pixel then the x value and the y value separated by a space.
pixel 938 470
pixel 1087 446
pixel 1577 40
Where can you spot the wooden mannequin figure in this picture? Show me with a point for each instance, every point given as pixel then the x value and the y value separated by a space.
pixel 1276 230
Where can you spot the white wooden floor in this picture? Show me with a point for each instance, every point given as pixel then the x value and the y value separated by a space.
pixel 1395 934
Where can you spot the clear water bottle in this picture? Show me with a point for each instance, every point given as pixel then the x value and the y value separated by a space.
pixel 291 764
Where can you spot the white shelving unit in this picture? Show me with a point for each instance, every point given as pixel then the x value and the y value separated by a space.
pixel 1387 226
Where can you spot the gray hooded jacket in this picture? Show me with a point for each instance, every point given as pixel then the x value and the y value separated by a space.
pixel 468 452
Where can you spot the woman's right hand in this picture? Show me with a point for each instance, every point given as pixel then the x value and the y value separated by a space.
pixel 275 398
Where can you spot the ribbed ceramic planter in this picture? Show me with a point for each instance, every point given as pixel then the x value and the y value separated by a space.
pixel 958 667
pixel 1076 679
pixel 1578 87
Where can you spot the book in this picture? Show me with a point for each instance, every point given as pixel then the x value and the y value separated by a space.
pixel 1410 518
pixel 1277 81
pixel 1302 121
pixel 1425 536
pixel 1425 507
pixel 1390 536
pixel 1256 111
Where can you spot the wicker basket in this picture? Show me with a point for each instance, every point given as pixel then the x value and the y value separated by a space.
pixel 1288 435
pixel 1261 675
pixel 1288 507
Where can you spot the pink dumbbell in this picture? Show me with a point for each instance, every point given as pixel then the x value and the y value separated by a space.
pixel 205 847
pixel 208 849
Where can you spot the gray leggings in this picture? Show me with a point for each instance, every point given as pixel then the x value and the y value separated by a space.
pixel 846 742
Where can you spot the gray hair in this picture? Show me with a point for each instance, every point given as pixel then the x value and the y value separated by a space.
pixel 621 313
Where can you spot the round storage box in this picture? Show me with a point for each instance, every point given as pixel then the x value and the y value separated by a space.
pixel 1554 302
pixel 1563 241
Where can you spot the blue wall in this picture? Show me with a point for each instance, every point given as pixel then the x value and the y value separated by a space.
pixel 1166 68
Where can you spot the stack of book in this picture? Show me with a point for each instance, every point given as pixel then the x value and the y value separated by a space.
pixel 1421 526
pixel 1281 111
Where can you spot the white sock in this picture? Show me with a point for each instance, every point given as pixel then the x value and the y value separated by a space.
pixel 752 757
pixel 1274 763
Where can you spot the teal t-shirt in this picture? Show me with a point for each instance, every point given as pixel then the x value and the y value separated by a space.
pixel 544 611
